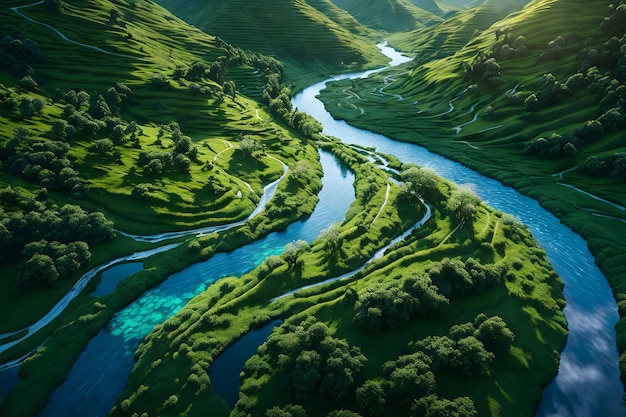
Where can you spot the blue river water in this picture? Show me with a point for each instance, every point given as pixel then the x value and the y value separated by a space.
pixel 100 373
pixel 588 380
pixel 588 383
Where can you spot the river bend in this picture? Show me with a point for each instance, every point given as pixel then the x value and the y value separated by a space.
pixel 588 382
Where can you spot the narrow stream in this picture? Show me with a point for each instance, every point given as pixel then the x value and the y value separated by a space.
pixel 588 381
pixel 100 373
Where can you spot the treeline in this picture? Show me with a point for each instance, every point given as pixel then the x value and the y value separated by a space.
pixel 313 360
pixel 51 242
pixel 602 72
pixel 393 304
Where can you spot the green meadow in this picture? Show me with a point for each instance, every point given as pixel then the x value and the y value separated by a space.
pixel 491 129
pixel 182 117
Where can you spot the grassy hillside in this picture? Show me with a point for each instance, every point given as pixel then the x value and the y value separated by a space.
pixel 454 32
pixel 291 371
pixel 155 125
pixel 551 100
pixel 312 38
pixel 134 121
pixel 389 16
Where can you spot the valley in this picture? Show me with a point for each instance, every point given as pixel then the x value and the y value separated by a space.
pixel 176 142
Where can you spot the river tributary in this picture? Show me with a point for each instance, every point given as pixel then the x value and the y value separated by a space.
pixel 588 381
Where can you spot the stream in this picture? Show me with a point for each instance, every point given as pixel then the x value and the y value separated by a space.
pixel 588 381
pixel 100 373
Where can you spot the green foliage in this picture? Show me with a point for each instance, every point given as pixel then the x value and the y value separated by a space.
pixel 314 360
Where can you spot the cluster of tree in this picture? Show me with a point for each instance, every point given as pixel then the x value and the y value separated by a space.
pixel 603 71
pixel 410 380
pixel 418 182
pixel 508 45
pixel 408 383
pixel 463 202
pixel 17 54
pixel 485 67
pixel 313 359
pixel 251 148
pixel 393 304
pixel 27 219
pixel 51 242
pixel 612 166
pixel 278 97
pixel 179 158
pixel 453 276
pixel 49 261
pixel 41 161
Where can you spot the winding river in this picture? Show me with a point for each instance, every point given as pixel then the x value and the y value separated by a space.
pixel 588 381
pixel 100 373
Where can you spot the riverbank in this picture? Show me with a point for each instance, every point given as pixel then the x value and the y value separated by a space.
pixel 599 222
pixel 216 319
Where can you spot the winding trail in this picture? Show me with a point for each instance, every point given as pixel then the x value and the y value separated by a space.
pixel 377 255
pixel 17 9
pixel 622 208
pixel 268 192
pixel 380 210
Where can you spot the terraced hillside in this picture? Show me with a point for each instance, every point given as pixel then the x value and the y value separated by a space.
pixel 119 123
pixel 536 101
pixel 313 37
pixel 389 16
pixel 447 37
pixel 121 117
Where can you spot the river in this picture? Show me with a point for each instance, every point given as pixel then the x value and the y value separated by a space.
pixel 588 381
pixel 100 373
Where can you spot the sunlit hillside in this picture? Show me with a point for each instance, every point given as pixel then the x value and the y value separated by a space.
pixel 311 37
pixel 389 16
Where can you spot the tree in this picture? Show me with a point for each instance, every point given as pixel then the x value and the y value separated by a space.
pixel 412 378
pixel 38 268
pixel 463 202
pixel 420 181
pixel 332 236
pixel 28 83
pixel 370 397
pixel 229 89
pixel 471 357
pixel 293 250
pixel 494 333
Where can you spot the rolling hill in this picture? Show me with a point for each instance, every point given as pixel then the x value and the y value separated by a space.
pixel 536 100
pixel 313 37
pixel 389 16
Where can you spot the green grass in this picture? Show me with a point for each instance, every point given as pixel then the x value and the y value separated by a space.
pixel 498 152
pixel 176 357
pixel 531 308
pixel 310 38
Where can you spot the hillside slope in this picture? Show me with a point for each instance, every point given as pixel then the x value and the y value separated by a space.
pixel 536 101
pixel 389 16
pixel 455 31
pixel 313 42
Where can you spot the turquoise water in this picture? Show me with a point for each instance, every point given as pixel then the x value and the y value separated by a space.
pixel 100 373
